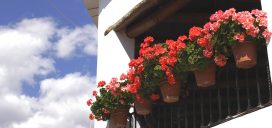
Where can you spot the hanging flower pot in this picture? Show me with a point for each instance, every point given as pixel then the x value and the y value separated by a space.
pixel 206 76
pixel 170 93
pixel 245 55
pixel 143 107
pixel 119 117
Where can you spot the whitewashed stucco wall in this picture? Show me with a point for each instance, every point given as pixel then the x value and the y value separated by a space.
pixel 258 119
pixel 114 50
pixel 263 117
pixel 267 6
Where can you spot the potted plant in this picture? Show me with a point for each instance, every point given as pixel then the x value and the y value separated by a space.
pixel 112 103
pixel 141 85
pixel 143 90
pixel 240 32
pixel 173 66
pixel 143 94
pixel 201 56
pixel 157 67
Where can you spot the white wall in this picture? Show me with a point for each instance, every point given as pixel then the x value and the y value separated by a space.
pixel 263 117
pixel 114 50
pixel 259 119
pixel 266 6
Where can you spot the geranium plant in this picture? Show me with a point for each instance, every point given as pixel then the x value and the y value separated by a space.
pixel 141 74
pixel 236 27
pixel 160 59
pixel 156 62
pixel 238 33
pixel 110 97
pixel 201 56
pixel 200 50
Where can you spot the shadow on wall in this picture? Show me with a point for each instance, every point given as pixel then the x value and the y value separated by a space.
pixel 103 4
pixel 127 43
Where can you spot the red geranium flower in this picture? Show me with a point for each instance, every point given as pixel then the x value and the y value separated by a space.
pixel 170 77
pixel 207 53
pixel 172 61
pixel 101 83
pixel 89 102
pixel 140 68
pixel 149 39
pixel 239 37
pixel 182 38
pixel 94 93
pixel 123 76
pixel 217 15
pixel 132 88
pixel 181 45
pixel 172 53
pixel 220 60
pixel 159 50
pixel 203 42
pixel 154 97
pixel 91 116
pixel 267 34
pixel 108 87
pixel 105 111
pixel 171 80
pixel 195 32
pixel 131 74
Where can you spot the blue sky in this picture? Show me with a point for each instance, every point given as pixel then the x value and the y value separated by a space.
pixel 70 13
pixel 15 10
pixel 47 51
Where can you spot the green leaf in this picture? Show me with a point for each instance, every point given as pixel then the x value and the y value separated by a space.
pixel 157 68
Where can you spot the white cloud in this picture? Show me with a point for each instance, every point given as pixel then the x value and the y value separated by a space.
pixel 21 49
pixel 24 49
pixel 62 103
pixel 15 108
pixel 73 40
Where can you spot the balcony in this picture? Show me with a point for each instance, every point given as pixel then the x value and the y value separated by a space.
pixel 236 93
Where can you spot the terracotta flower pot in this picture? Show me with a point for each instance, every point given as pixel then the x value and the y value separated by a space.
pixel 143 108
pixel 245 55
pixel 119 117
pixel 206 76
pixel 170 93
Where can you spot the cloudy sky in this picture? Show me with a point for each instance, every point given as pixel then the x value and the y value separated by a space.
pixel 47 63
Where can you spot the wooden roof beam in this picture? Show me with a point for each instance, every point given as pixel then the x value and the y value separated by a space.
pixel 155 18
pixel 185 18
pixel 131 15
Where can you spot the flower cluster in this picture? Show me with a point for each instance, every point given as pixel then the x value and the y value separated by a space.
pixel 232 28
pixel 238 27
pixel 139 66
pixel 156 62
pixel 200 50
pixel 110 97
pixel 168 61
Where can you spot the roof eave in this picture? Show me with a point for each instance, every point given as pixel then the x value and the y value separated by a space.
pixel 93 9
